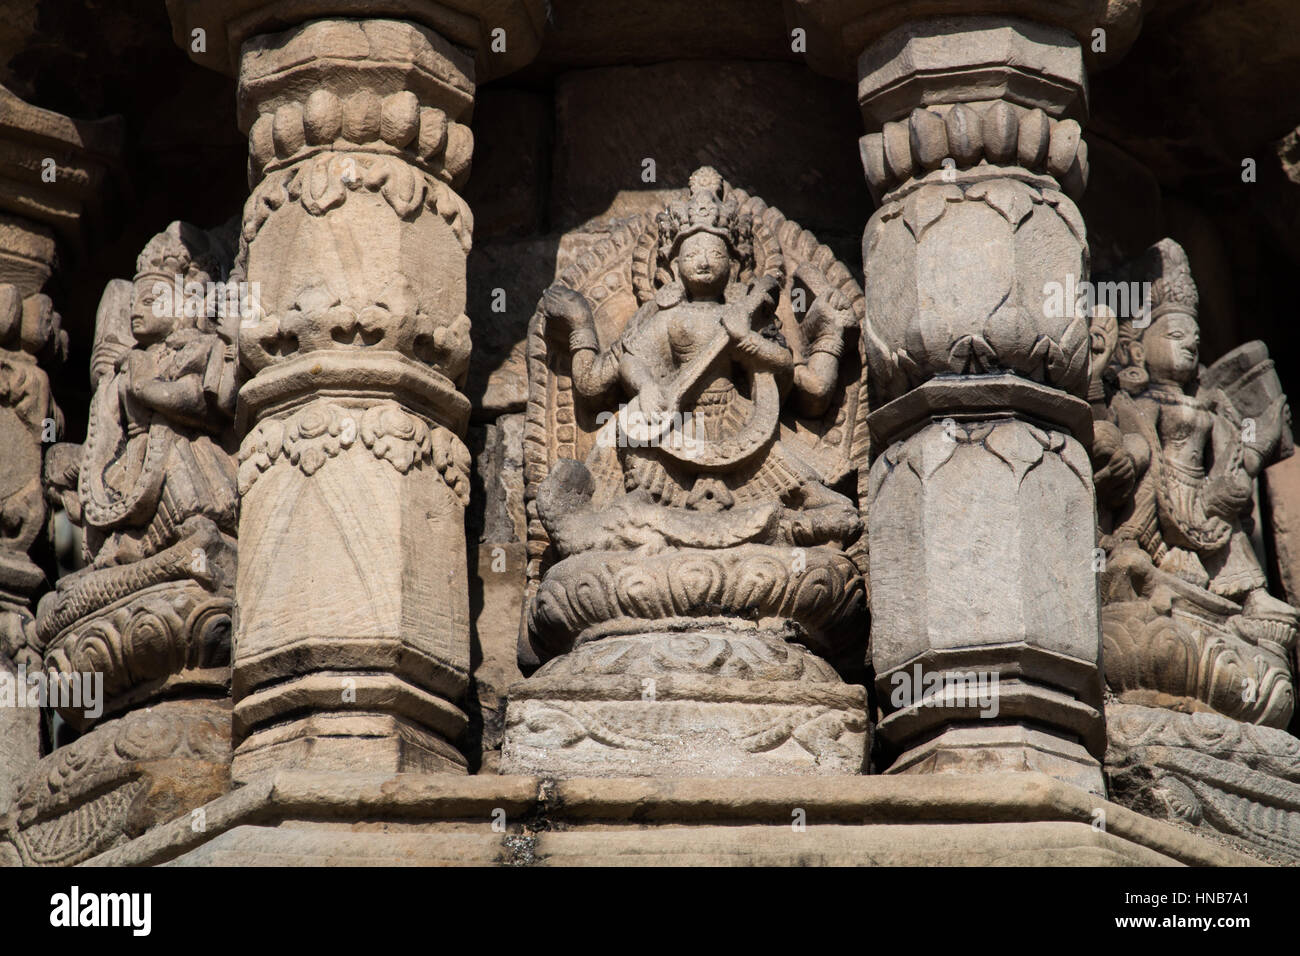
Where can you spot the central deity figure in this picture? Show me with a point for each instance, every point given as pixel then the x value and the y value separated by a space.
pixel 701 542
pixel 705 368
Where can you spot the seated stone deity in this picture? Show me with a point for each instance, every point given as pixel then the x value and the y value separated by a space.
pixel 703 361
pixel 703 490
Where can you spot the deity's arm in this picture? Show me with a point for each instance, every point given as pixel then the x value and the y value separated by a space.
pixel 816 377
pixel 755 350
pixel 762 354
pixel 1231 479
pixel 1120 453
pixel 1137 420
pixel 814 382
pixel 634 374
pixel 593 371
pixel 181 400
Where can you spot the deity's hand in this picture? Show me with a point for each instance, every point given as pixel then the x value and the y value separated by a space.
pixel 1115 469
pixel 737 322
pixel 139 371
pixel 765 293
pixel 1269 426
pixel 653 400
pixel 567 305
pixel 1186 565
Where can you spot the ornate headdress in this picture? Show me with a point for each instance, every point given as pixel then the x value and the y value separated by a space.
pixel 1165 266
pixel 706 209
pixel 183 250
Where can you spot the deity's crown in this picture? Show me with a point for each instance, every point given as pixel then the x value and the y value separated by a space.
pixel 1166 267
pixel 706 209
pixel 181 250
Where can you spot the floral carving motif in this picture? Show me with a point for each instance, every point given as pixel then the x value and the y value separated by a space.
pixel 311 436
pixel 981 313
pixel 325 182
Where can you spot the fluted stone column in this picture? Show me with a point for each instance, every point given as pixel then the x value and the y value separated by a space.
pixel 985 635
pixel 52 173
pixel 352 638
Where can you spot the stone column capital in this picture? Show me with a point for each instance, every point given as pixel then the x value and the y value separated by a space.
pixel 53 173
pixel 470 24
pixel 838 31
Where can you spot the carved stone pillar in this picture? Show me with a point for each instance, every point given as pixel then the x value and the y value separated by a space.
pixel 51 168
pixel 985 637
pixel 352 646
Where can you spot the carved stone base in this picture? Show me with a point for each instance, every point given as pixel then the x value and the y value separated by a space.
pixel 1214 775
pixel 123 778
pixel 168 639
pixel 354 741
pixel 718 702
pixel 1188 649
pixel 1004 747
pixel 1023 819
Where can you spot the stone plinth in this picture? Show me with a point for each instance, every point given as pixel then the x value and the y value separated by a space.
pixel 295 817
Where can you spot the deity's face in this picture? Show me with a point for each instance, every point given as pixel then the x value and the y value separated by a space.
pixel 1171 348
pixel 704 264
pixel 152 316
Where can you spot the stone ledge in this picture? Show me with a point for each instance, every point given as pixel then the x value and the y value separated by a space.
pixel 994 844
pixel 590 821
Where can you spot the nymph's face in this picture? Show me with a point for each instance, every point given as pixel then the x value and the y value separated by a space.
pixel 1172 349
pixel 704 264
pixel 151 319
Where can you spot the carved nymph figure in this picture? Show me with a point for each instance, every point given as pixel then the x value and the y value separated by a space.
pixel 688 487
pixel 155 480
pixel 1182 447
